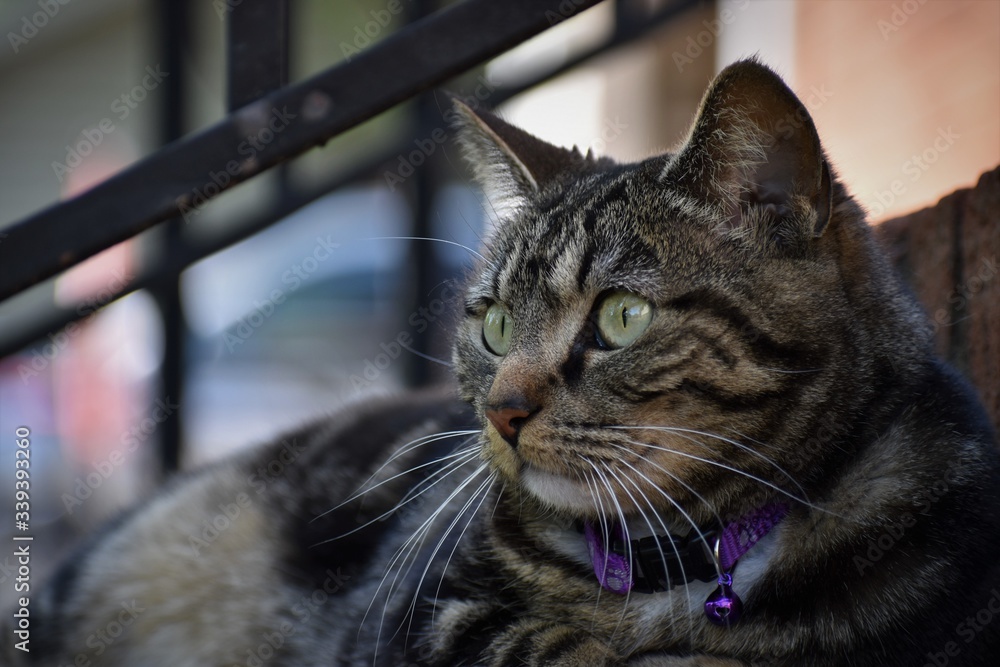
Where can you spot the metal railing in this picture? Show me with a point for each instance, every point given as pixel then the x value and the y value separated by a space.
pixel 163 187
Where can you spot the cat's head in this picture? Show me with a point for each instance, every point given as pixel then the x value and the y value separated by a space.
pixel 645 330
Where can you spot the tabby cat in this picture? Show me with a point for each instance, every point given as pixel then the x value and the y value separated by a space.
pixel 698 422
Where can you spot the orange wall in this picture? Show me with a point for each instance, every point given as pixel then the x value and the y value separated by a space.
pixel 914 94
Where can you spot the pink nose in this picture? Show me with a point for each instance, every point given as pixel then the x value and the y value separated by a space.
pixel 508 420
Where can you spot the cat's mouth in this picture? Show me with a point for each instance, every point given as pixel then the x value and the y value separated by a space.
pixel 594 484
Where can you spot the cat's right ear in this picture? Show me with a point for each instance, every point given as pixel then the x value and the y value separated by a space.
pixel 510 165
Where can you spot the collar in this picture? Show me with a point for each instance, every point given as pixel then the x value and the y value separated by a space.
pixel 660 562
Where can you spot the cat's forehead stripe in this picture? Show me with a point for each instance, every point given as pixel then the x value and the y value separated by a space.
pixel 566 247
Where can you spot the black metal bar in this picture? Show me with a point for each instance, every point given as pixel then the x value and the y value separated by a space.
pixel 257 57
pixel 423 188
pixel 424 271
pixel 172 370
pixel 59 317
pixel 180 177
pixel 257 41
pixel 624 34
pixel 166 292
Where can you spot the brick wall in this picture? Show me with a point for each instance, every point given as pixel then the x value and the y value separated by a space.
pixel 950 254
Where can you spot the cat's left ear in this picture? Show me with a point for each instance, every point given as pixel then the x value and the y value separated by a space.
pixel 754 149
pixel 511 165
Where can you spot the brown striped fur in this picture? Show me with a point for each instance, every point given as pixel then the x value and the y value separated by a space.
pixel 783 360
pixel 782 347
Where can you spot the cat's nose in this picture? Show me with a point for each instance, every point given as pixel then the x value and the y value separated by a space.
pixel 508 418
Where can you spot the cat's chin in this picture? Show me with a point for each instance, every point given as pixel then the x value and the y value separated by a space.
pixel 572 500
pixel 557 491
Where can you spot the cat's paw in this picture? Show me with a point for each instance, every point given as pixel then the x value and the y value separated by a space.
pixel 547 645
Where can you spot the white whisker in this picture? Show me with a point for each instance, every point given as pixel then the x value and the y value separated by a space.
pixel 677 479
pixel 747 437
pixel 602 514
pixel 423 440
pixel 591 487
pixel 659 519
pixel 424 238
pixel 404 449
pixel 738 472
pixel 483 489
pixel 423 529
pixel 461 458
pixel 783 370
pixel 471 228
pixel 408 549
pixel 624 527
pixel 503 487
pixel 465 451
pixel 678 430
pixel 426 356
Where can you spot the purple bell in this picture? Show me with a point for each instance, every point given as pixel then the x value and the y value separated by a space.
pixel 724 607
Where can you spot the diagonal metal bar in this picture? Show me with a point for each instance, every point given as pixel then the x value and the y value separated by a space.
pixel 277 127
pixel 12 340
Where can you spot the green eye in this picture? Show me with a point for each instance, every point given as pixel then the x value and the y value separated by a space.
pixel 496 329
pixel 622 317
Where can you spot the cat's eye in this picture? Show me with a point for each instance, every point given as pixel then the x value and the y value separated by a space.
pixel 496 329
pixel 621 318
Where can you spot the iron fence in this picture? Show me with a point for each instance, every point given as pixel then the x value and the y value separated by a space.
pixel 161 189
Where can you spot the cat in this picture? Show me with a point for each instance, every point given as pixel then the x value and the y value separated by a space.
pixel 697 422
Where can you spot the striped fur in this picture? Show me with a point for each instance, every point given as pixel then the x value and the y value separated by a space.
pixel 783 361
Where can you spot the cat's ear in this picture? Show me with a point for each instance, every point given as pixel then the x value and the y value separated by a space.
pixel 754 149
pixel 510 164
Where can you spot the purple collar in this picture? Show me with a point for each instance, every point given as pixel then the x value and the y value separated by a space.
pixel 660 562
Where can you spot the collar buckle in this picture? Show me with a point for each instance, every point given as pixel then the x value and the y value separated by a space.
pixel 660 562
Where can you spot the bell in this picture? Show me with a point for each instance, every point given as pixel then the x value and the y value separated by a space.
pixel 724 607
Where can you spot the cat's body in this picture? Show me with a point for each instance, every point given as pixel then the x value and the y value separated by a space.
pixel 668 346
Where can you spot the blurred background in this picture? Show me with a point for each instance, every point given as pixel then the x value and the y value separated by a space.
pixel 330 304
